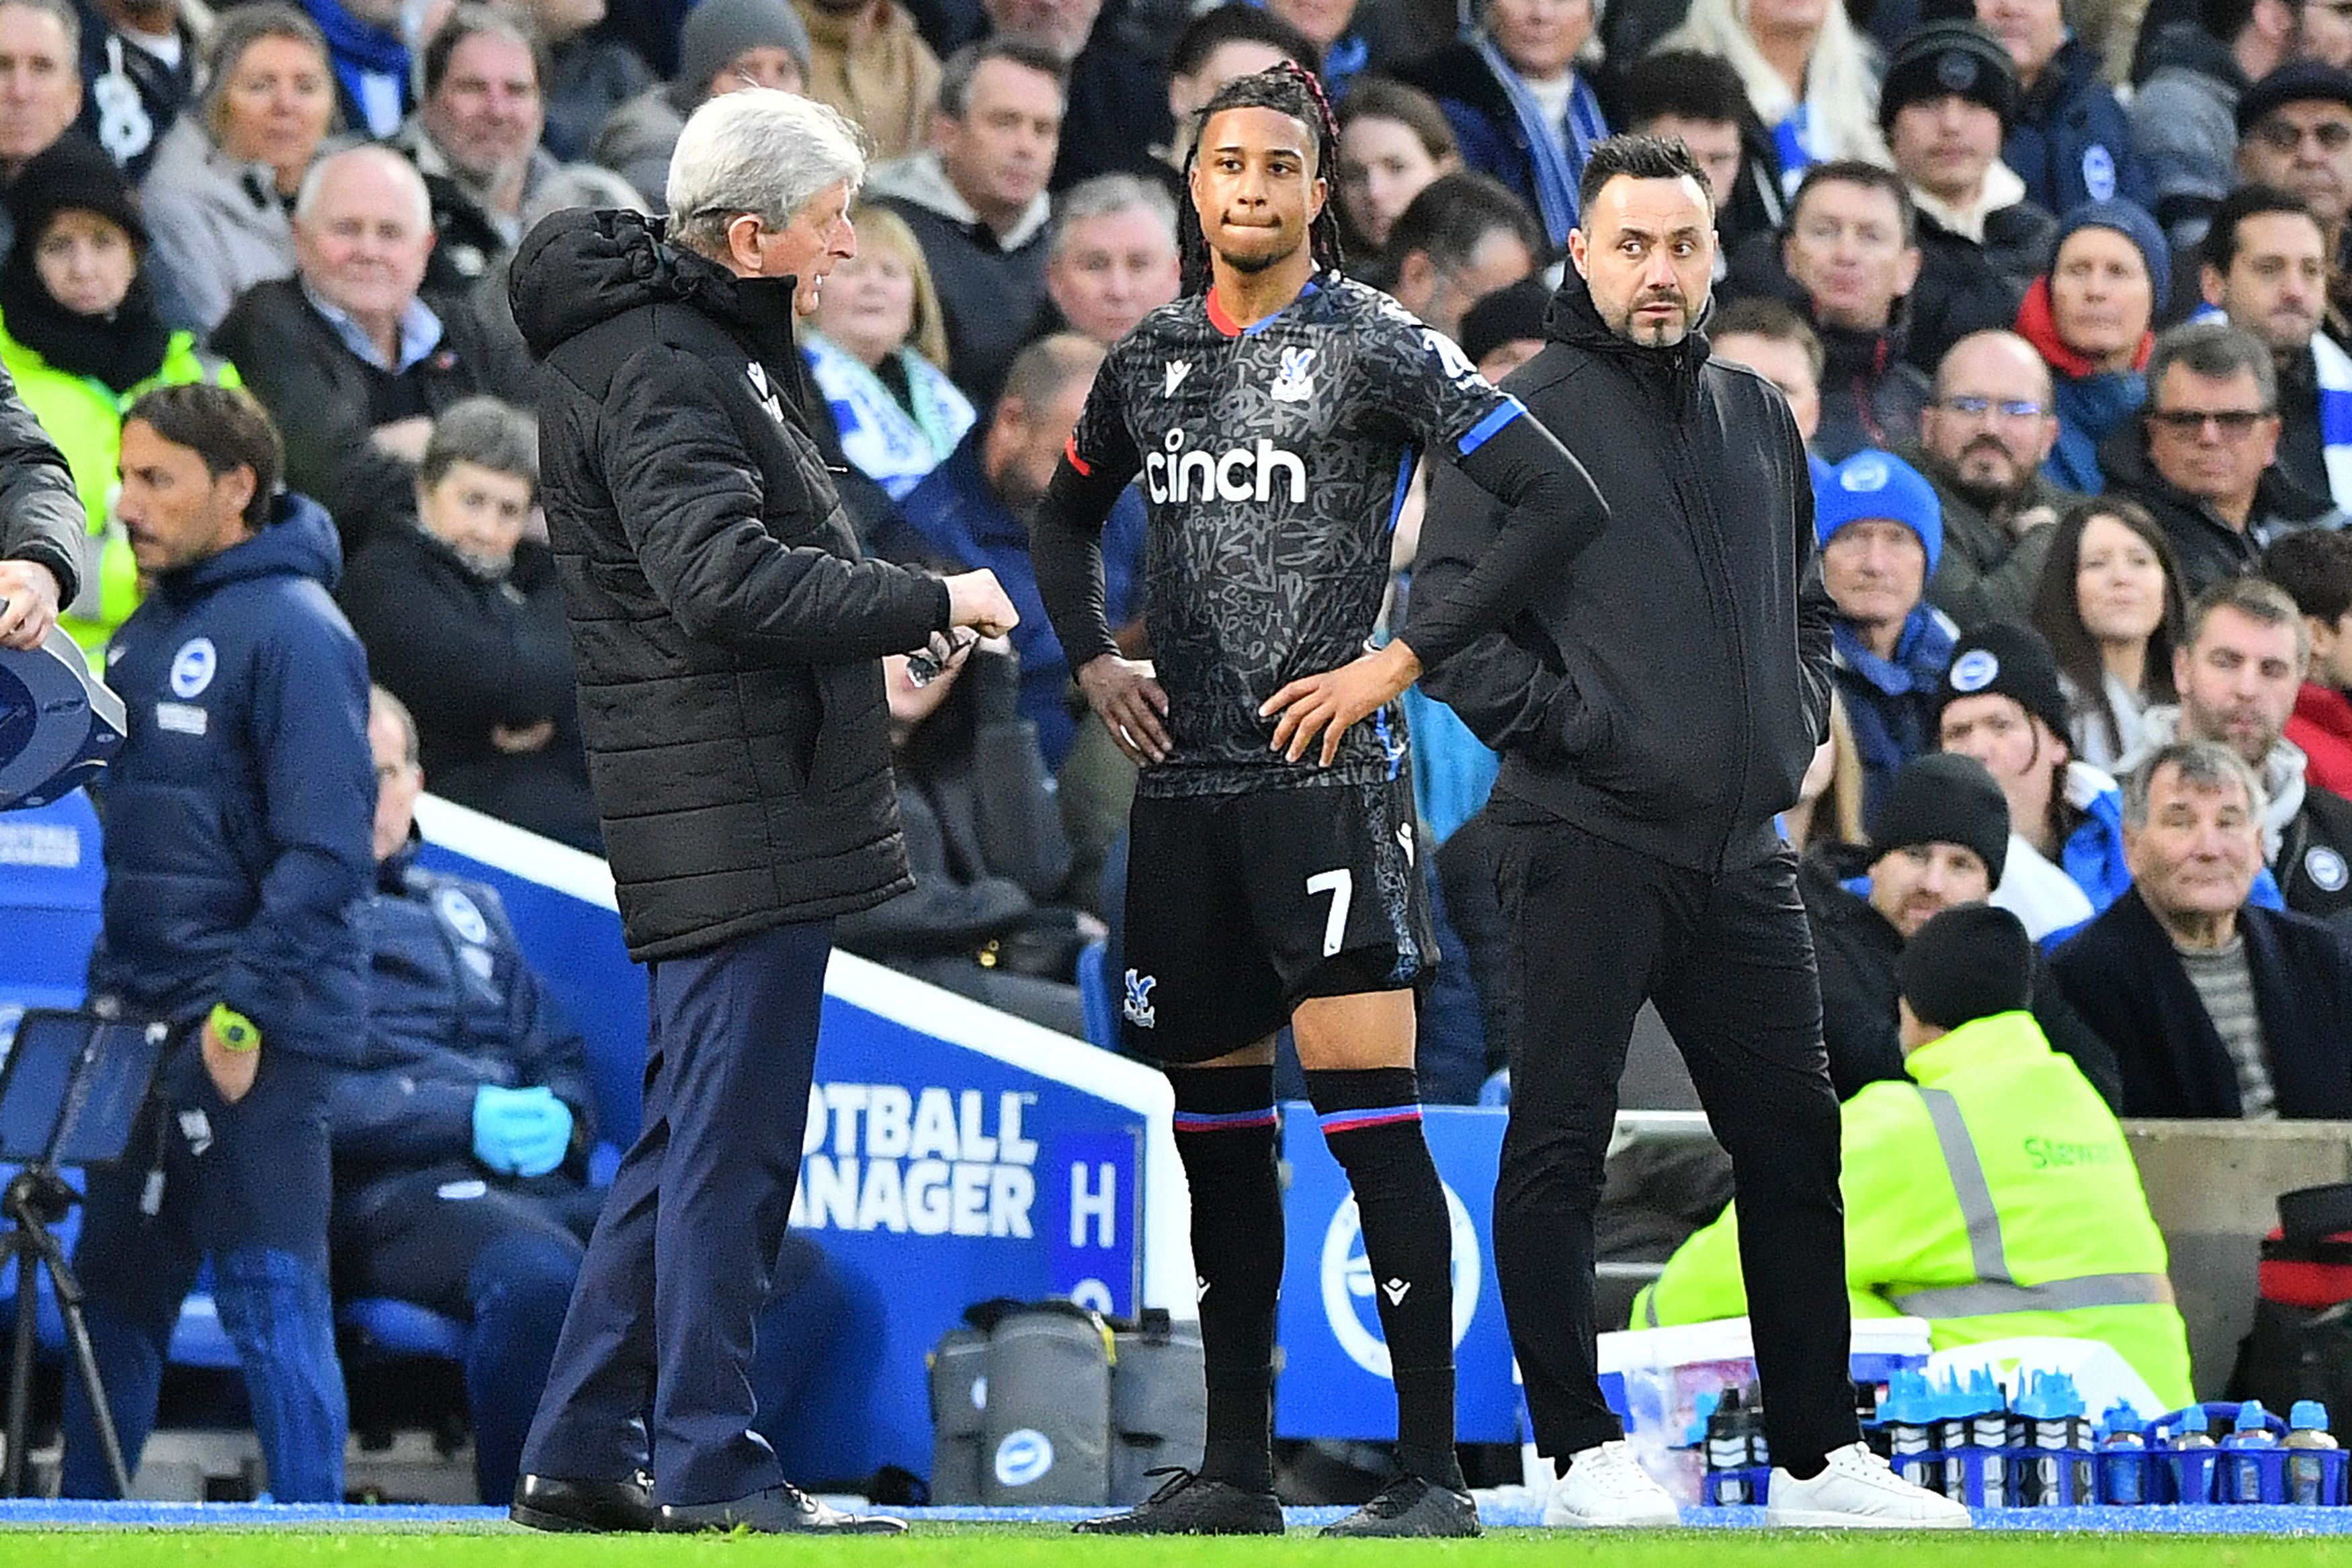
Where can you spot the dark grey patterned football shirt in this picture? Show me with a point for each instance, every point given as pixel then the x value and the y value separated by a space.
pixel 1272 460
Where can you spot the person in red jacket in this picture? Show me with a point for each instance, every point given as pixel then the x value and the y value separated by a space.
pixel 2315 566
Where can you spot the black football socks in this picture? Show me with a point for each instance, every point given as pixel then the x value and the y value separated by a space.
pixel 1371 1122
pixel 1227 1135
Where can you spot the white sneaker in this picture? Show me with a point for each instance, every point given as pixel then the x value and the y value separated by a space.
pixel 1607 1485
pixel 1858 1490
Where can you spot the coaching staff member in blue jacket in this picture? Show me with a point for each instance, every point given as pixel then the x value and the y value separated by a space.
pixel 1655 705
pixel 729 642
pixel 237 859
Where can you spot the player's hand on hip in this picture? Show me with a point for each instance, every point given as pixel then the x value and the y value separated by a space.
pixel 232 1072
pixel 28 604
pixel 1328 703
pixel 1130 703
pixel 975 598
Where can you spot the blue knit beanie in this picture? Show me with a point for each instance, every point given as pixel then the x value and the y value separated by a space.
pixel 2129 220
pixel 1873 486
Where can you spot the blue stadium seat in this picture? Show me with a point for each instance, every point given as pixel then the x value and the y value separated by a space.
pixel 1095 994
pixel 382 1326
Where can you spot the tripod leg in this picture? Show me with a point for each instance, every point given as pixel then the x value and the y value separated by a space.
pixel 20 1365
pixel 70 1304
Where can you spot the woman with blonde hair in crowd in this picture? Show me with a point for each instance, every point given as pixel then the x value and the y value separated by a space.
pixel 1807 71
pixel 879 357
pixel 1828 812
pixel 221 193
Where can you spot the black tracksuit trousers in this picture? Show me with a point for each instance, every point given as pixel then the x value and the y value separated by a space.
pixel 1596 930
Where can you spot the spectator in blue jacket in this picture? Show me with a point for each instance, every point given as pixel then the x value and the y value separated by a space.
pixel 1882 531
pixel 2069 142
pixel 236 856
pixel 972 511
pixel 462 1127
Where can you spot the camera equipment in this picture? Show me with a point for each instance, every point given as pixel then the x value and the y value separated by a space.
pixel 70 1093
pixel 58 724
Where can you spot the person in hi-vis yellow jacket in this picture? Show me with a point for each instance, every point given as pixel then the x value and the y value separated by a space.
pixel 1992 1195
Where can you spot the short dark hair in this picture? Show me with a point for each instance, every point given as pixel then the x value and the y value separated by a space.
pixel 2220 248
pixel 468 20
pixel 1685 83
pixel 1378 97
pixel 956 73
pixel 1454 213
pixel 486 433
pixel 2216 350
pixel 1239 23
pixel 1854 172
pixel 2225 19
pixel 2257 598
pixel 2315 567
pixel 226 426
pixel 1761 316
pixel 1639 158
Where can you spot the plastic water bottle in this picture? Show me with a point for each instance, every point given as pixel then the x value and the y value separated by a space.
pixel 1905 1417
pixel 2306 1439
pixel 1727 1452
pixel 2192 1457
pixel 1989 1430
pixel 1751 1428
pixel 2250 1437
pixel 1952 1432
pixel 2050 1412
pixel 2123 1456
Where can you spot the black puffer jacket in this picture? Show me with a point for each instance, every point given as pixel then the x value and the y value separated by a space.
pixel 725 630
pixel 1666 691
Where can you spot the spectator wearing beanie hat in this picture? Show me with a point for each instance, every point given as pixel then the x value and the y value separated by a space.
pixel 83 339
pixel 1505 329
pixel 726 45
pixel 1881 529
pixel 1940 839
pixel 2092 318
pixel 2003 706
pixel 1949 97
pixel 2284 121
pixel 1981 1075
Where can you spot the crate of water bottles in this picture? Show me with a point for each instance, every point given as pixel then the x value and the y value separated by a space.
pixel 2231 1453
pixel 2035 1446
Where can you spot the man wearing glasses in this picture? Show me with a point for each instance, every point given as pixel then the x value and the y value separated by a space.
pixel 2294 131
pixel 2202 463
pixel 1981 442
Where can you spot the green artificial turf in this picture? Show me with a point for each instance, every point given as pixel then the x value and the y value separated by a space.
pixel 1033 1546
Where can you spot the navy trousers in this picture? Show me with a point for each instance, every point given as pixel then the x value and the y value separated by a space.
pixel 503 1260
pixel 660 1330
pixel 247 1186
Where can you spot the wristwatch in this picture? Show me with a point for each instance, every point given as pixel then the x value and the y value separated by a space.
pixel 237 1032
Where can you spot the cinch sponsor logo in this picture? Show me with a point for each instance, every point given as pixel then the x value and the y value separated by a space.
pixel 1243 474
pixel 880 1156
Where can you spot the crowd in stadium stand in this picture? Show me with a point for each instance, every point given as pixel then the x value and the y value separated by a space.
pixel 2061 297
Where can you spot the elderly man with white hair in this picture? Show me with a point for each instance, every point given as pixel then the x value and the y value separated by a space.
pixel 729 643
pixel 351 365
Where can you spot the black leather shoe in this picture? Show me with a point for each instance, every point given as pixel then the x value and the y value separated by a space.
pixel 782 1510
pixel 547 1502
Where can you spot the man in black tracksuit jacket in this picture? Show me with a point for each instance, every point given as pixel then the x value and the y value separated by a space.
pixel 1655 707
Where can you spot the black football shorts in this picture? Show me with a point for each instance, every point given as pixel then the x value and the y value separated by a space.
pixel 1241 906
